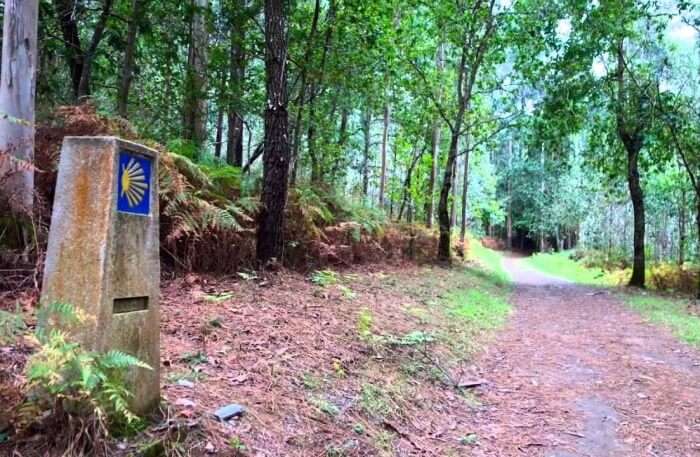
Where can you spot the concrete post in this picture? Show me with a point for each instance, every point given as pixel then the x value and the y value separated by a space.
pixel 103 251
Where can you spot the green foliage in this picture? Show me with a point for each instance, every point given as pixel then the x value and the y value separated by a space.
pixel 11 325
pixel 325 406
pixel 365 319
pixel 67 380
pixel 324 278
pixel 374 401
pixel 236 445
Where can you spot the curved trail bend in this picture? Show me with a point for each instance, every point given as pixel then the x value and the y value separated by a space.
pixel 576 374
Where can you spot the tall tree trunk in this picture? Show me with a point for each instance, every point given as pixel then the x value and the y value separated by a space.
pixel 632 138
pixel 444 244
pixel 453 200
pixel 509 214
pixel 86 76
pixel 435 150
pixel 127 71
pixel 277 153
pixel 434 160
pixel 682 217
pixel 237 69
pixel 219 132
pixel 366 131
pixel 637 196
pixel 385 140
pixel 465 188
pixel 196 106
pixel 65 10
pixel 302 90
pixel 17 95
pixel 697 222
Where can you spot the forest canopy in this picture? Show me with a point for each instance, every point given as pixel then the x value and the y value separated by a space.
pixel 545 124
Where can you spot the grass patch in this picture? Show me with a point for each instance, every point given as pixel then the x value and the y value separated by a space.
pixel 561 264
pixel 484 310
pixel 491 260
pixel 670 312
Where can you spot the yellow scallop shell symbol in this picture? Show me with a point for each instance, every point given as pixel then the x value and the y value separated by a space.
pixel 134 183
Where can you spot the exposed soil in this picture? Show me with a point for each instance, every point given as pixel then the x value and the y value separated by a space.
pixel 576 374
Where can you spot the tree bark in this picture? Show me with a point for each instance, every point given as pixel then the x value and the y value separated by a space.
pixel 17 97
pixel 465 189
pixel 509 214
pixel 682 220
pixel 637 196
pixel 633 140
pixel 385 140
pixel 65 10
pixel 127 72
pixel 444 244
pixel 277 153
pixel 237 69
pixel 435 150
pixel 218 142
pixel 366 131
pixel 302 90
pixel 196 106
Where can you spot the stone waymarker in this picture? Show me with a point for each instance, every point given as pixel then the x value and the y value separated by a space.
pixel 102 255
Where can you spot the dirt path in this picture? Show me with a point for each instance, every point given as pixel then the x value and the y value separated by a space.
pixel 577 374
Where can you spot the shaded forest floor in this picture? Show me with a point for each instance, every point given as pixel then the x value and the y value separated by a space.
pixel 373 360
pixel 402 360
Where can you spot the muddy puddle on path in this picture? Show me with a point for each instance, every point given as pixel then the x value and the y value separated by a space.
pixel 577 374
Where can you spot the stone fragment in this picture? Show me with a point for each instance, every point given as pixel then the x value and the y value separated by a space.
pixel 227 412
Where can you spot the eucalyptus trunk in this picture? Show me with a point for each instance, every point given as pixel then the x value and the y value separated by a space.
pixel 17 96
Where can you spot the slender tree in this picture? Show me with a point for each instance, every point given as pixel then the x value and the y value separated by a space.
pixel 127 71
pixel 196 107
pixel 276 154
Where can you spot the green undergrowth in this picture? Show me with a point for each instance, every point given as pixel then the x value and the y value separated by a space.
pixel 562 265
pixel 674 313
pixel 490 260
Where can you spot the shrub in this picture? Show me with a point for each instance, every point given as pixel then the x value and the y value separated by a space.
pixel 82 392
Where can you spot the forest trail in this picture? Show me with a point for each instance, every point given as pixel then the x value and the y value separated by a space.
pixel 577 374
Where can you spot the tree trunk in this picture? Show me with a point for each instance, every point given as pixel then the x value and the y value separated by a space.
pixel 637 196
pixel 219 133
pixel 17 96
pixel 444 245
pixel 89 55
pixel 237 68
pixel 71 39
pixel 385 140
pixel 277 153
pixel 435 150
pixel 127 71
pixel 302 90
pixel 195 113
pixel 366 131
pixel 697 222
pixel 453 200
pixel 682 216
pixel 509 214
pixel 465 190
pixel 633 139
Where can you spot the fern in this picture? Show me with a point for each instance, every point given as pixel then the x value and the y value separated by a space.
pixel 67 380
pixel 11 325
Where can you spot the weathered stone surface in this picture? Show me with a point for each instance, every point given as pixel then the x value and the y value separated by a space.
pixel 227 412
pixel 97 254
